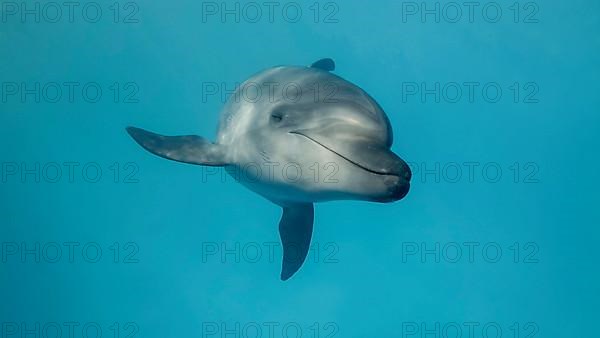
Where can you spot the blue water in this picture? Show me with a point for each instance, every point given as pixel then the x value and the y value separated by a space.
pixel 526 234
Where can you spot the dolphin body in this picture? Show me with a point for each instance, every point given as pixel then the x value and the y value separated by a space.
pixel 310 136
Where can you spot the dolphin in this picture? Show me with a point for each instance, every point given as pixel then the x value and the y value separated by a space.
pixel 297 135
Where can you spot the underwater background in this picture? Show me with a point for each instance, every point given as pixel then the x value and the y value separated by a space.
pixel 494 104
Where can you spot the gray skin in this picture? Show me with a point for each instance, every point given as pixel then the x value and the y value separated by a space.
pixel 296 136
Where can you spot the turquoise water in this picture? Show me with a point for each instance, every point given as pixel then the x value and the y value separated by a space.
pixel 498 116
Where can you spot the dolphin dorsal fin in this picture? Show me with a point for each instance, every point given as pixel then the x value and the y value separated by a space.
pixel 327 64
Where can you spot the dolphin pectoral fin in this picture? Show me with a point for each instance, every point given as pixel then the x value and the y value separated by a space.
pixel 327 65
pixel 187 149
pixel 295 230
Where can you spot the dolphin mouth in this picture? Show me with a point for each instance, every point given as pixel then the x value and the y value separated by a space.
pixel 394 166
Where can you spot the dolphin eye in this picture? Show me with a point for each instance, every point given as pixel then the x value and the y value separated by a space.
pixel 276 117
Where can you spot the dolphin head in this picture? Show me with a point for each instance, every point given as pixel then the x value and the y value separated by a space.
pixel 356 139
pixel 337 135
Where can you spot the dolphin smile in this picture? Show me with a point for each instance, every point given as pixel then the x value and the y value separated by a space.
pixel 392 164
pixel 342 156
pixel 375 159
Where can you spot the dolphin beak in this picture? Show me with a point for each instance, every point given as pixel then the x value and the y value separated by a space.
pixel 361 151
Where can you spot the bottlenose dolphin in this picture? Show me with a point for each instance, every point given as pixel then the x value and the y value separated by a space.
pixel 304 135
